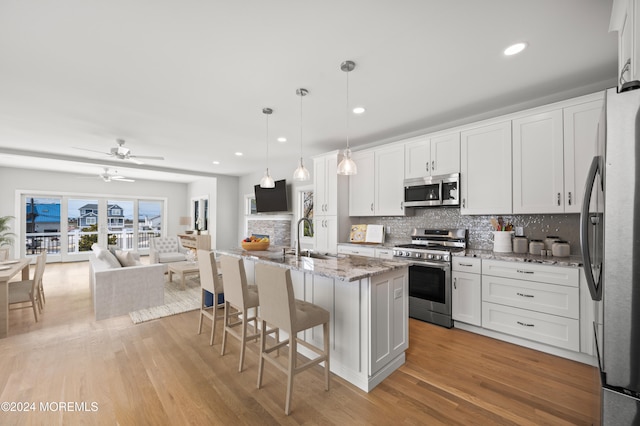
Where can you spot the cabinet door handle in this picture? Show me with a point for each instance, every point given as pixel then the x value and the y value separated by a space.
pixel 433 165
pixel 559 198
pixel 371 206
pixel 524 295
pixel 524 324
pixel 569 198
pixel 463 202
pixel 426 166
pixel 521 271
pixel 455 282
pixel 465 264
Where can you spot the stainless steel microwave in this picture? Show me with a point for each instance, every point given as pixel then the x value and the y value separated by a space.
pixel 432 191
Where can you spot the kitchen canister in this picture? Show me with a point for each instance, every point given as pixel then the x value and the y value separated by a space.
pixel 536 246
pixel 502 241
pixel 560 249
pixel 520 244
pixel 548 242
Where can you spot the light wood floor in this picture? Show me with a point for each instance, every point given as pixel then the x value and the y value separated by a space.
pixel 163 373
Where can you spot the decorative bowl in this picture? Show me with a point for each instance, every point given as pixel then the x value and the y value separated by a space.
pixel 255 245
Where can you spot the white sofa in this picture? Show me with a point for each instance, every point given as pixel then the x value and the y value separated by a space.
pixel 119 290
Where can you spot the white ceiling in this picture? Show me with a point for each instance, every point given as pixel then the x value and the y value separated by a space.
pixel 187 80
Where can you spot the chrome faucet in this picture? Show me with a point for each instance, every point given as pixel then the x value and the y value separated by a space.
pixel 302 219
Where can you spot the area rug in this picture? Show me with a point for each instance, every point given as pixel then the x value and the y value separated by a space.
pixel 176 301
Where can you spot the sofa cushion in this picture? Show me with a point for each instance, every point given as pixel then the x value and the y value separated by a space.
pixel 171 257
pixel 126 258
pixel 105 256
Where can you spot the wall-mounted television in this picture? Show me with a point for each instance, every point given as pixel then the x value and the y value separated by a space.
pixel 271 200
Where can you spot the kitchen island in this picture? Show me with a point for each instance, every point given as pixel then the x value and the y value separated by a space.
pixel 368 302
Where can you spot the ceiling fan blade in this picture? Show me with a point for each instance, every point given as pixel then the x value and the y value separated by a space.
pixel 92 150
pixel 147 157
pixel 133 160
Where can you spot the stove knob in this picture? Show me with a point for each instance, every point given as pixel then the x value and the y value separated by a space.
pixel 445 257
pixel 405 253
pixel 417 255
pixel 438 257
pixel 429 256
pixel 396 253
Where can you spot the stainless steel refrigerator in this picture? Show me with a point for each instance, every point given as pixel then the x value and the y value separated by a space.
pixel 610 239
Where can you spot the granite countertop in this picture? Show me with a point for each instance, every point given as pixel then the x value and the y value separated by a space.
pixel 571 261
pixel 342 267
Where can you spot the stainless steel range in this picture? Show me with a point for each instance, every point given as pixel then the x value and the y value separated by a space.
pixel 430 273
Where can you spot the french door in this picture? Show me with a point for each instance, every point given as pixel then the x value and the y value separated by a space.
pixel 65 227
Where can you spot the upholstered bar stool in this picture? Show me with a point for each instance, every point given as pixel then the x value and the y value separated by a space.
pixel 241 298
pixel 211 281
pixel 279 309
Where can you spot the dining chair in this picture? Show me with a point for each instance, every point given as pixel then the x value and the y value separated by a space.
pixel 280 310
pixel 210 281
pixel 241 298
pixel 41 300
pixel 26 291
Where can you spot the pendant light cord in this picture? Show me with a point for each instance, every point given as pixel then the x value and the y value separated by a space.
pixel 301 96
pixel 347 109
pixel 267 142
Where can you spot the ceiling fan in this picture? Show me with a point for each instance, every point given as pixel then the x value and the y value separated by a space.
pixel 113 177
pixel 122 153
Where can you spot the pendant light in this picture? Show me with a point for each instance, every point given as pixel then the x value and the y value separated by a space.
pixel 301 173
pixel 347 165
pixel 267 181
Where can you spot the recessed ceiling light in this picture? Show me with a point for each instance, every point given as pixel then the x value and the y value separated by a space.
pixel 358 110
pixel 515 49
pixel 239 154
pixel 216 162
pixel 282 139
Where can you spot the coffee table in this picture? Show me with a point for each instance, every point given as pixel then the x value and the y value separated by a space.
pixel 182 269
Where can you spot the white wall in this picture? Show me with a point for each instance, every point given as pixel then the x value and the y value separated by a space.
pixel 223 214
pixel 14 179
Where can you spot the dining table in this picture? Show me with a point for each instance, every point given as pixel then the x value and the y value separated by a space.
pixel 9 269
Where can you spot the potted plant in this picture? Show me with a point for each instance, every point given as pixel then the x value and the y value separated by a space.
pixel 6 237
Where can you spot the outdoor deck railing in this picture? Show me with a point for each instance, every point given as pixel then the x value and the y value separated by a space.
pixel 37 242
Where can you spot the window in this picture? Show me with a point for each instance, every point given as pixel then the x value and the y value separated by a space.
pixel 91 220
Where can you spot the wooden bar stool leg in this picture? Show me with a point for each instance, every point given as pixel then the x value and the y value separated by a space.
pixel 293 351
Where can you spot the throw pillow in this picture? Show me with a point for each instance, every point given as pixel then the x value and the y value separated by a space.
pixel 126 258
pixel 105 256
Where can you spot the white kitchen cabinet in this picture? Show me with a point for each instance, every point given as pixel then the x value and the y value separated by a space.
pixel 389 180
pixel 325 234
pixel 361 185
pixel 538 163
pixel 580 136
pixel 466 295
pixel 552 151
pixel 485 169
pixel 533 301
pixel 389 316
pixel 625 17
pixel 325 179
pixel 377 189
pixel 330 220
pixel 430 156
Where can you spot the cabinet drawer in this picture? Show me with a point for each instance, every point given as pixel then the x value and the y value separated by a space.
pixel 548 298
pixel 544 328
pixel 532 272
pixel 466 264
pixel 384 253
pixel 358 251
pixel 188 243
